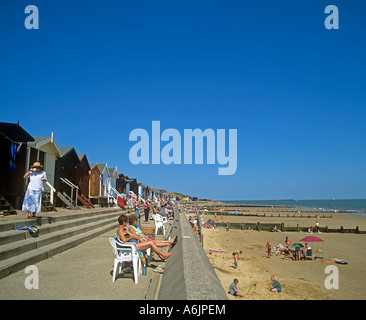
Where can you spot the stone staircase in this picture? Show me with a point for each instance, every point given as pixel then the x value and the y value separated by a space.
pixel 5 207
pixel 19 248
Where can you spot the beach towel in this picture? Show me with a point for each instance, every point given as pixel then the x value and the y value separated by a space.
pixel 31 229
pixel 216 251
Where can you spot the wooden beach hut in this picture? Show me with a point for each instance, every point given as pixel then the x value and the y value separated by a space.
pixel 133 186
pixel 141 192
pixel 113 176
pixel 46 151
pixel 13 165
pixel 146 192
pixel 112 184
pixel 102 197
pixel 121 183
pixel 94 182
pixel 104 178
pixel 66 182
pixel 83 173
pixel 66 165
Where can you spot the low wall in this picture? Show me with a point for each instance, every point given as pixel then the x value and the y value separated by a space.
pixel 188 274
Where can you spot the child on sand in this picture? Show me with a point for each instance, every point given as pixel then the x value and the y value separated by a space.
pixel 268 249
pixel 234 289
pixel 236 258
pixel 278 250
pixel 275 286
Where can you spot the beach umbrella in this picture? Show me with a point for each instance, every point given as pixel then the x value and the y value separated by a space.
pixel 297 245
pixel 311 239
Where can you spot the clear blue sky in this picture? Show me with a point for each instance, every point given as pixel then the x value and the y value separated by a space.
pixel 295 91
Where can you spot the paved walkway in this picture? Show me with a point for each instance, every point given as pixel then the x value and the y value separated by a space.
pixel 84 272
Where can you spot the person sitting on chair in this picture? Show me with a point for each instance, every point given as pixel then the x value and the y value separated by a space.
pixel 137 234
pixel 125 236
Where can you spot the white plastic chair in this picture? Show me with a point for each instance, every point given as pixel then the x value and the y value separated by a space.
pixel 130 254
pixel 159 223
pixel 148 250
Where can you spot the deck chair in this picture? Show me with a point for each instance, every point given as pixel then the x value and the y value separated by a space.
pixel 125 252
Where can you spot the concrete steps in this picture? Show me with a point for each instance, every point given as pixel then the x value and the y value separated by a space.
pixel 18 248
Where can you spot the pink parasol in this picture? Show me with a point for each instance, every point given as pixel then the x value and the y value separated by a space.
pixel 311 239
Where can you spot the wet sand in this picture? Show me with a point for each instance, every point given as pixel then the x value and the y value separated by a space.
pixel 299 279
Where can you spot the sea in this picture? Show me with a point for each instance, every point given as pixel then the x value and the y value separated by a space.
pixel 357 206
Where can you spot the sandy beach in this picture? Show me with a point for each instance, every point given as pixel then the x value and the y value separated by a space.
pixel 299 279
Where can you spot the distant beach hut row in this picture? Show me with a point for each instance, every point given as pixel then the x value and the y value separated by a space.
pixel 72 180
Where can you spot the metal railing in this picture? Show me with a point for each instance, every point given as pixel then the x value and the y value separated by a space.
pixel 116 194
pixel 72 186
pixel 52 192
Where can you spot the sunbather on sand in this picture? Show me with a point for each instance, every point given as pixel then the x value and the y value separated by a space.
pixel 126 236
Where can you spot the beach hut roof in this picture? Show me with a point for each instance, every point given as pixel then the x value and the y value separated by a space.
pixel 102 166
pixel 42 141
pixel 70 153
pixel 94 165
pixel 15 132
pixel 112 171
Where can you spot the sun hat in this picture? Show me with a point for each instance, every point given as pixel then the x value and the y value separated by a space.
pixel 36 164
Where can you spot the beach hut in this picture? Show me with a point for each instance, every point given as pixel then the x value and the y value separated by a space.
pixel 133 186
pixel 65 173
pixel 146 192
pixel 112 184
pixel 141 193
pixel 83 175
pixel 66 166
pixel 46 151
pixel 104 186
pixel 104 179
pixel 13 165
pixel 113 176
pixel 121 183
pixel 94 182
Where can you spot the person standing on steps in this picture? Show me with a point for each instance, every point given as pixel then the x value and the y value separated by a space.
pixel 33 194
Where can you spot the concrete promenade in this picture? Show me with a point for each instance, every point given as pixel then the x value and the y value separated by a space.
pixel 83 272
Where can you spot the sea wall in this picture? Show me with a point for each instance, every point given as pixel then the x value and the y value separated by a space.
pixel 188 274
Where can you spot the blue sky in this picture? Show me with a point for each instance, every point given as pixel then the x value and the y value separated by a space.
pixel 295 91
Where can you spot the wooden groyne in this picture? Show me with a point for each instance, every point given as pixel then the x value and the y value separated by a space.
pixel 259 226
pixel 274 215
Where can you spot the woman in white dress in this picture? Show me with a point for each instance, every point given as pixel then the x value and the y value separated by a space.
pixel 32 197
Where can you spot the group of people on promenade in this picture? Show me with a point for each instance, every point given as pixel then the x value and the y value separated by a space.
pixel 163 207
pixel 133 233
